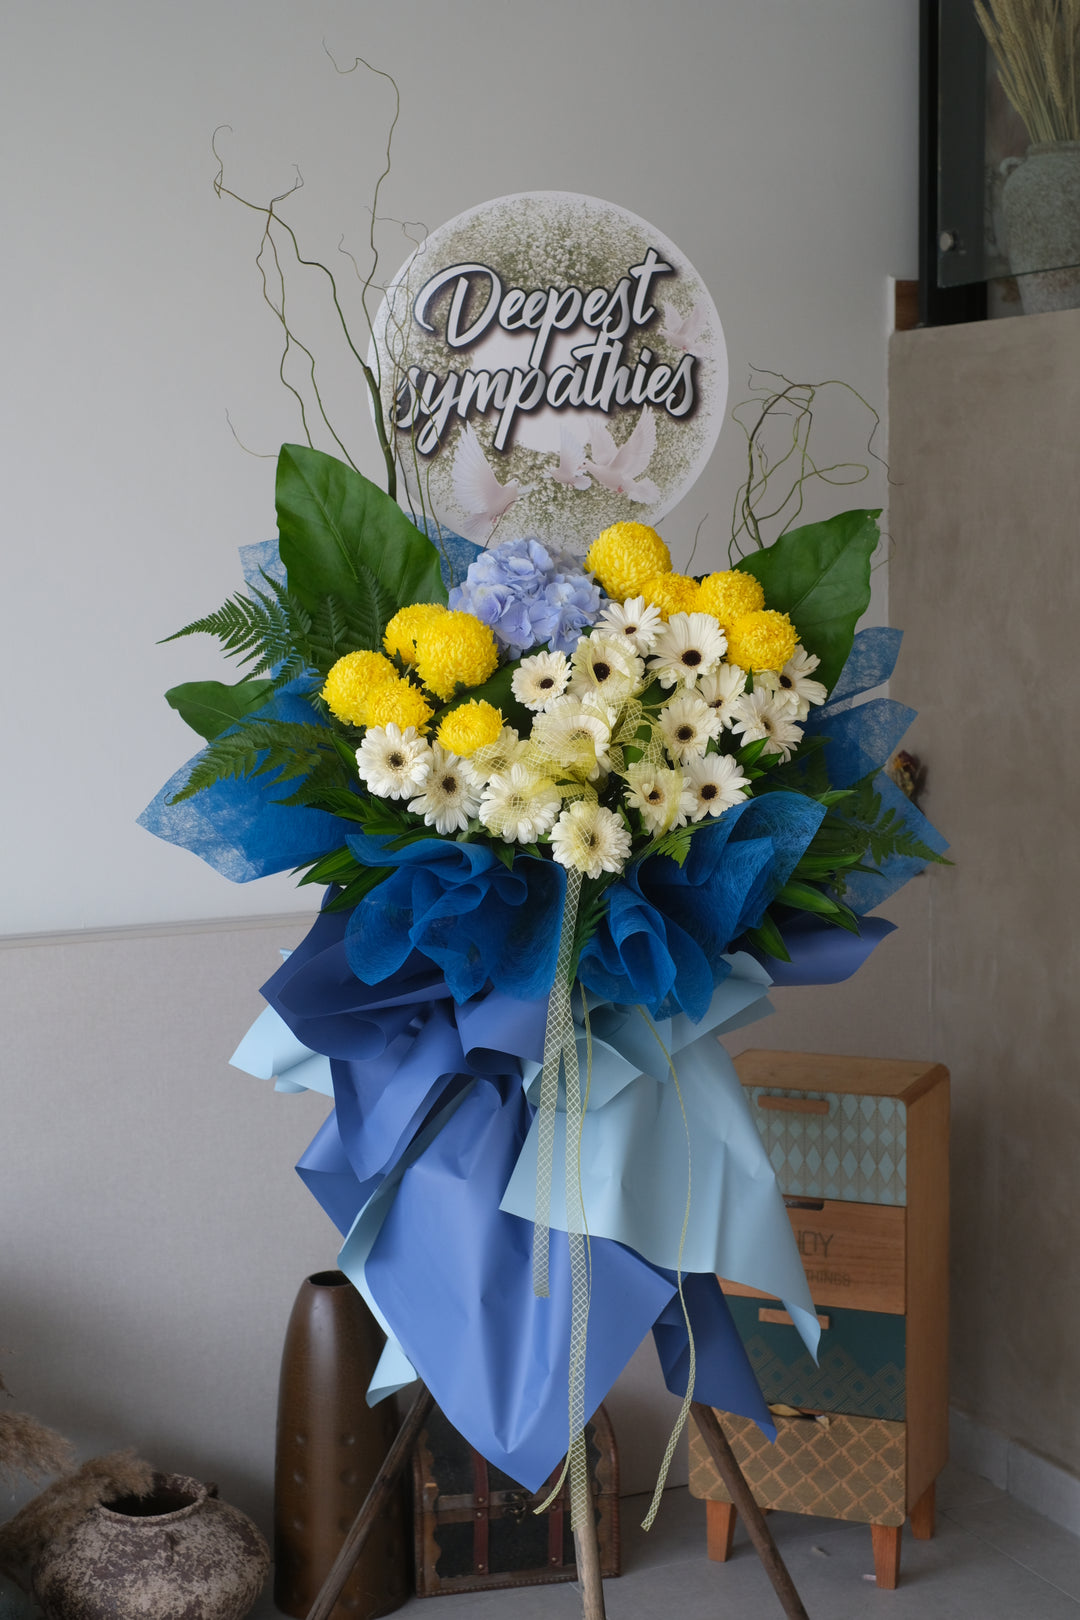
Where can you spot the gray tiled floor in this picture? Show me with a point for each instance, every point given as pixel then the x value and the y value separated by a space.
pixel 991 1559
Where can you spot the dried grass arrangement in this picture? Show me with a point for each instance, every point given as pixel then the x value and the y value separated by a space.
pixel 1037 47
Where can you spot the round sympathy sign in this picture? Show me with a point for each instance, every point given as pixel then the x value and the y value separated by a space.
pixel 550 364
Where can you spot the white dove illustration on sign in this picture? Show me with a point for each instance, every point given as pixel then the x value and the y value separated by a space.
pixel 619 467
pixel 571 461
pixel 686 334
pixel 477 490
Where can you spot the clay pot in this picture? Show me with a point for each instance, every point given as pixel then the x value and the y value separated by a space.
pixel 1040 202
pixel 330 1445
pixel 177 1554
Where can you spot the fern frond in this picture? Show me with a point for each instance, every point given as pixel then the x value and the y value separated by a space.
pixel 283 750
pixel 253 629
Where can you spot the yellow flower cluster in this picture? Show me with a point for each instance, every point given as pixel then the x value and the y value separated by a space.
pixel 728 595
pixel 625 556
pixel 671 593
pixel 454 649
pixel 399 703
pixel 470 726
pixel 351 683
pixel 406 625
pixel 763 639
pixel 447 649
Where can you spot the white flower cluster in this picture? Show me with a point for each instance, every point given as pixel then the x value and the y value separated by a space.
pixel 658 764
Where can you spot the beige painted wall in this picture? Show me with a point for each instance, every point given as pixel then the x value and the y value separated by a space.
pixel 984 576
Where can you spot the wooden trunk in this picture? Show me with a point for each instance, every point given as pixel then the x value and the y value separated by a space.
pixel 476 1528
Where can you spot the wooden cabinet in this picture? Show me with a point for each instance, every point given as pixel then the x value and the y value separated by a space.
pixel 860 1147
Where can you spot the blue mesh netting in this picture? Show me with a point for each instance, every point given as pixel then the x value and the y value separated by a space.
pixel 460 906
pixel 235 826
pixel 870 662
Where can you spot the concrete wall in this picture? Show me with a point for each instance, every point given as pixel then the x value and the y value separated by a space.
pixel 985 578
pixel 155 1234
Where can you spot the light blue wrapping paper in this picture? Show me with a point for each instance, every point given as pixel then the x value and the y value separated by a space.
pixel 634 1150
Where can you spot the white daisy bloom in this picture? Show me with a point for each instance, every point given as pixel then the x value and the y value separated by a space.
pixel 714 783
pixel 591 838
pixel 393 763
pixel 720 688
pixel 688 646
pixel 638 623
pixel 495 758
pixel 661 794
pixel 688 725
pixel 520 806
pixel 607 668
pixel 794 683
pixel 575 736
pixel 539 679
pixel 759 714
pixel 451 793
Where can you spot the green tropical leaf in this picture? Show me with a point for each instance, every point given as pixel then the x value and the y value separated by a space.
pixel 338 529
pixel 211 707
pixel 820 575
pixel 805 897
pixel 768 939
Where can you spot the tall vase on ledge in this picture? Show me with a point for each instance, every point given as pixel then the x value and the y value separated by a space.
pixel 330 1445
pixel 1041 205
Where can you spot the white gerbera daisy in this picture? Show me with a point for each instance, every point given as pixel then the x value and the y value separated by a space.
pixel 607 668
pixel 794 683
pixel 393 763
pixel 520 806
pixel 496 758
pixel 540 679
pixel 591 838
pixel 688 724
pixel 661 794
pixel 640 624
pixel 688 646
pixel 714 784
pixel 575 736
pixel 451 793
pixel 720 688
pixel 759 714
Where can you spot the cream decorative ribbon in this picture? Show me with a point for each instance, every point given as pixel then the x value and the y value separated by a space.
pixel 561 1058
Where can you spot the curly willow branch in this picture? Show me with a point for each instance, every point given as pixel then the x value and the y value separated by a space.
pixel 272 217
pixel 765 477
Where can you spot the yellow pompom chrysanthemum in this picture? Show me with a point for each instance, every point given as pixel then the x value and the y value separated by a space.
pixel 727 596
pixel 470 726
pixel 626 555
pixel 671 593
pixel 761 640
pixel 399 703
pixel 352 680
pixel 454 649
pixel 400 637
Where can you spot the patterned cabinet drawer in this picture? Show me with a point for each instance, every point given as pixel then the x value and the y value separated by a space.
pixel 824 1145
pixel 860 1366
pixel 853 1254
pixel 841 1467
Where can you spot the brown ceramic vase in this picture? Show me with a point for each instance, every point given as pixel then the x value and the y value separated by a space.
pixel 330 1445
pixel 177 1554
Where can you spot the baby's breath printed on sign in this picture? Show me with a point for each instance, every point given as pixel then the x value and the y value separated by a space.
pixel 550 364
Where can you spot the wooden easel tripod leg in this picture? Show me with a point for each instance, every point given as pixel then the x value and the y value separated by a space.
pixel 739 1491
pixel 385 1481
pixel 587 1550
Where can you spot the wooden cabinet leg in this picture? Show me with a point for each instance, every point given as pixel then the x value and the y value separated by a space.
pixel 719 1530
pixel 886 1539
pixel 922 1515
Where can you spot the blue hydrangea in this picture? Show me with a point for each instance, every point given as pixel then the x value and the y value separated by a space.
pixel 529 594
